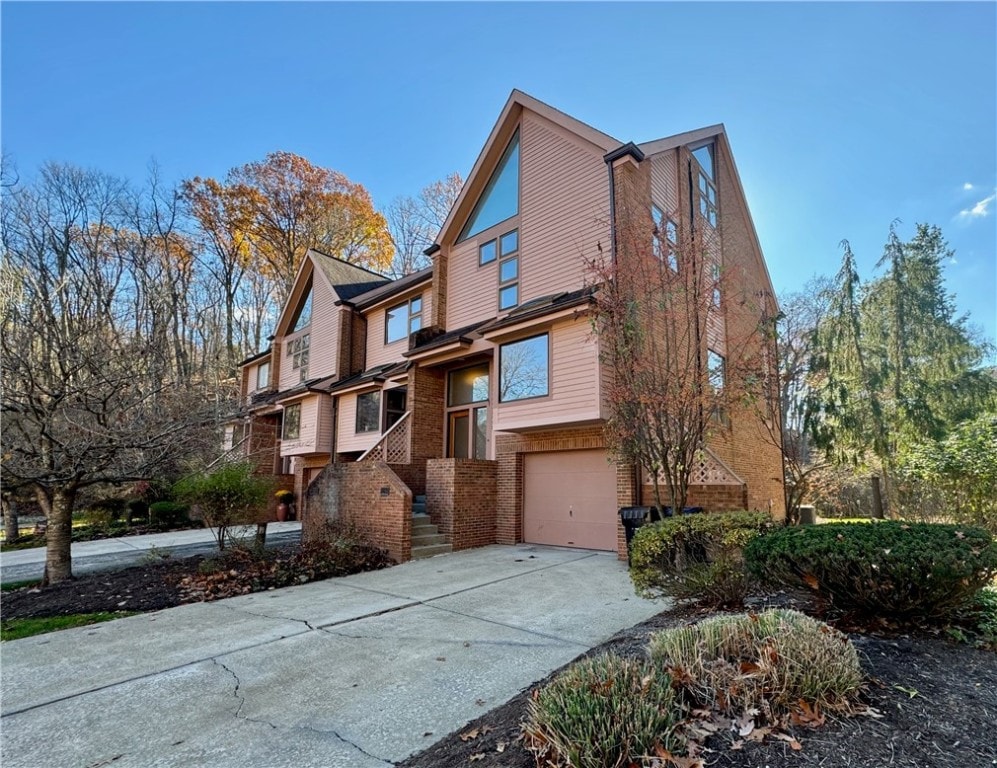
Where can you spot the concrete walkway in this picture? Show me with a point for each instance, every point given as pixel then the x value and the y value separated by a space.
pixel 358 672
pixel 108 554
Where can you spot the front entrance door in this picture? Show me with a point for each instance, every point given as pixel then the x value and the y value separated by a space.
pixel 468 433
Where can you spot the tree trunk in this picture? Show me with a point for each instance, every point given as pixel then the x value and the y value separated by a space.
pixel 877 499
pixel 59 536
pixel 11 525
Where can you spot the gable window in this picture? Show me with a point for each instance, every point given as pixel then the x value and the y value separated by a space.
pixel 509 270
pixel 297 350
pixel 500 200
pixel 292 422
pixel 304 316
pixel 524 369
pixel 263 376
pixel 403 320
pixel 715 274
pixel 665 238
pixel 716 372
pixel 368 412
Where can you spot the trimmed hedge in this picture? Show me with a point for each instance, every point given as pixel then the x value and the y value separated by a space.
pixel 889 568
pixel 167 513
pixel 695 555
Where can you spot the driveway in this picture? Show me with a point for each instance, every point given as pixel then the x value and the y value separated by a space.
pixel 358 672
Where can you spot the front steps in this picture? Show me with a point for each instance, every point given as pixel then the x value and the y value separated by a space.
pixel 426 538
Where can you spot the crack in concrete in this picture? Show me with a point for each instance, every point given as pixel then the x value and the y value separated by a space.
pixel 235 609
pixel 242 703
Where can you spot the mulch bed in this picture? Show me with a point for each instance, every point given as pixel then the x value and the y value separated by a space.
pixel 937 700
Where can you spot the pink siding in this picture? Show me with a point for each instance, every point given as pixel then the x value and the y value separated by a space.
pixel 564 208
pixel 574 384
pixel 664 183
pixel 347 439
pixel 308 435
pixel 564 213
pixel 324 330
pixel 323 438
pixel 379 353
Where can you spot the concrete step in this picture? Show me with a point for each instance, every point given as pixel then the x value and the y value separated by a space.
pixel 436 549
pixel 428 539
pixel 418 509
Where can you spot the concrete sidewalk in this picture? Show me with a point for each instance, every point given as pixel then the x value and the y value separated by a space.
pixel 358 672
pixel 107 554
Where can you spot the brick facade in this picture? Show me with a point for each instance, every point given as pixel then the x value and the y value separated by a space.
pixel 712 498
pixel 368 495
pixel 461 496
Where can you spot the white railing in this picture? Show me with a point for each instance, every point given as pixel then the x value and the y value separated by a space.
pixel 395 445
pixel 234 453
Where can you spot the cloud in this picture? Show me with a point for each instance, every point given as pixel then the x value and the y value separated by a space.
pixel 967 186
pixel 979 210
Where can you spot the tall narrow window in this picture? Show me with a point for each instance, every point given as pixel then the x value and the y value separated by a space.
pixel 715 274
pixel 717 374
pixel 292 422
pixel 403 320
pixel 509 270
pixel 303 318
pixel 368 412
pixel 665 238
pixel 500 200
pixel 706 158
pixel 263 376
pixel 297 350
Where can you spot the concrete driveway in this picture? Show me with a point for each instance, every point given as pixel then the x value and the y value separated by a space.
pixel 355 672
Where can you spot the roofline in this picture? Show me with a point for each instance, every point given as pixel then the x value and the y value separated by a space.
pixel 253 358
pixel 390 290
pixel 520 100
pixel 627 150
pixel 655 146
pixel 350 263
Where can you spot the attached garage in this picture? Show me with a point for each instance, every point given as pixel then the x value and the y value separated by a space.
pixel 569 499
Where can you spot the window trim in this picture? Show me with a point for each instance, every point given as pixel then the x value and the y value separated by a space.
pixel 501 353
pixel 503 259
pixel 265 384
pixel 412 316
pixel 488 372
pixel 288 409
pixel 465 233
pixel 356 420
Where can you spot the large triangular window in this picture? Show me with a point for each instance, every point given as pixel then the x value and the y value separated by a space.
pixel 303 318
pixel 500 200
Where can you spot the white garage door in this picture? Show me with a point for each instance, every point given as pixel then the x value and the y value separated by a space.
pixel 569 499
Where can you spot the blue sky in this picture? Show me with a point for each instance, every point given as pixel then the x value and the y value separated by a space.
pixel 842 116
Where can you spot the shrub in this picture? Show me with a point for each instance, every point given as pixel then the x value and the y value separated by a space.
pixel 696 556
pixel 228 495
pixel 603 711
pixel 106 509
pixel 901 570
pixel 767 662
pixel 168 513
pixel 138 509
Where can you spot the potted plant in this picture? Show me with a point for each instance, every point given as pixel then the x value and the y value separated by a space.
pixel 284 501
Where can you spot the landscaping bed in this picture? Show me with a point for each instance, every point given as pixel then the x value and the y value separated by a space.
pixel 934 705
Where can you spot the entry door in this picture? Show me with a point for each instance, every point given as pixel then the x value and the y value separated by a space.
pixel 569 499
pixel 468 433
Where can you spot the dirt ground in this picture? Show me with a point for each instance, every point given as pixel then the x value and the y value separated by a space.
pixel 937 699
pixel 937 702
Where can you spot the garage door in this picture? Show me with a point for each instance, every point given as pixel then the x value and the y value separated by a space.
pixel 569 499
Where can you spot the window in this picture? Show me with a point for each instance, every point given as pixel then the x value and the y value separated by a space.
pixel 263 376
pixel 704 156
pixel 394 405
pixel 665 238
pixel 403 320
pixel 368 412
pixel 467 423
pixel 292 422
pixel 716 375
pixel 509 270
pixel 707 200
pixel 500 200
pixel 297 350
pixel 304 317
pixel 715 275
pixel 524 369
pixel 468 385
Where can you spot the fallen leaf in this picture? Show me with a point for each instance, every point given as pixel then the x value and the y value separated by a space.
pixel 744 725
pixel 500 747
pixel 475 758
pixel 911 692
pixel 468 735
pixel 793 743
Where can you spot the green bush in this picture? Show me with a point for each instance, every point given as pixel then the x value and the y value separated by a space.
pixel 767 662
pixel 602 712
pixel 889 568
pixel 168 513
pixel 696 556
pixel 227 496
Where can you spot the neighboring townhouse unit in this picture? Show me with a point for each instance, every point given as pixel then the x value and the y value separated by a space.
pixel 477 383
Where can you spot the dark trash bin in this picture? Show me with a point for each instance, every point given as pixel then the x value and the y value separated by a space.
pixel 685 511
pixel 632 518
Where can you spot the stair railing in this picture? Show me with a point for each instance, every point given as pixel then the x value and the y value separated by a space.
pixel 395 445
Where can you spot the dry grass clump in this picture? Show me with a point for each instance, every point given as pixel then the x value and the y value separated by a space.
pixel 602 712
pixel 767 662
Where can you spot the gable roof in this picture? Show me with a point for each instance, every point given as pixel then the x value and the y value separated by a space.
pixel 500 133
pixel 382 292
pixel 681 139
pixel 346 280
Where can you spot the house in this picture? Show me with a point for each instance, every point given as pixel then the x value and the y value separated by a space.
pixel 473 392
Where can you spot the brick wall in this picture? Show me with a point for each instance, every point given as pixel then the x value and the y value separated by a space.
pixel 510 449
pixel 461 500
pixel 712 498
pixel 425 402
pixel 368 495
